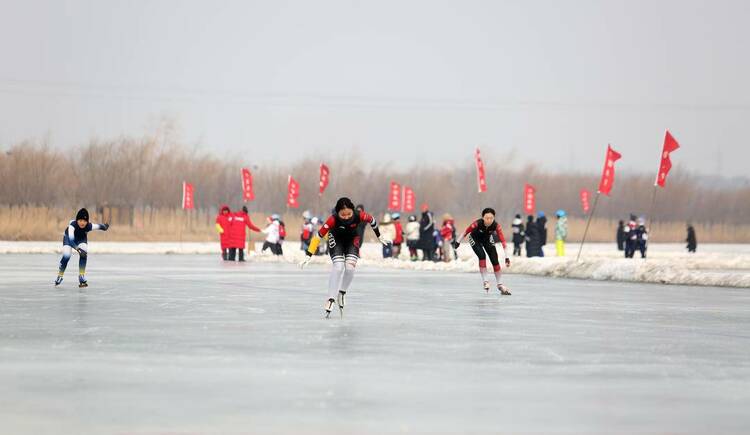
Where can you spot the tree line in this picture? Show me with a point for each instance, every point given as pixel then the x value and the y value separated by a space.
pixel 148 171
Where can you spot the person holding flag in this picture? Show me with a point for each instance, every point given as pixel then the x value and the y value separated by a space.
pixel 344 242
pixel 482 235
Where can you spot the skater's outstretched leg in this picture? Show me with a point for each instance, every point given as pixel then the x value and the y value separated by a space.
pixel 492 253
pixel 82 260
pixel 66 252
pixel 350 265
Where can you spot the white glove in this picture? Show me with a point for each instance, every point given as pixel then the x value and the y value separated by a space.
pixel 384 241
pixel 304 262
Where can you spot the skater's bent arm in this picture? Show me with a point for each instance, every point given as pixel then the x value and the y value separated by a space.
pixel 72 235
pixel 469 229
pixel 500 236
pixel 366 217
pixel 313 248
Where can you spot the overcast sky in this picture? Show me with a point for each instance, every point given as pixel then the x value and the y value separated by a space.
pixel 403 81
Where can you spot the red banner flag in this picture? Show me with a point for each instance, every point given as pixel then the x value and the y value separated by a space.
pixel 670 144
pixel 394 197
pixel 292 193
pixel 247 185
pixel 409 200
pixel 608 173
pixel 529 198
pixel 187 196
pixel 481 180
pixel 324 177
pixel 585 201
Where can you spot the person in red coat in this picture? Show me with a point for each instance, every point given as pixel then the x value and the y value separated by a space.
pixel 399 239
pixel 237 233
pixel 223 222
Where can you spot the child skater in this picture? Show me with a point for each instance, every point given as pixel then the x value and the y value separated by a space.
pixel 75 238
pixel 482 235
pixel 344 241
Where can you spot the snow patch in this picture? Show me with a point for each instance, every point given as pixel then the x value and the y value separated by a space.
pixel 723 265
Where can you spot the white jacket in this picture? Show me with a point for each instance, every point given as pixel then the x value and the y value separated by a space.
pixel 412 231
pixel 272 232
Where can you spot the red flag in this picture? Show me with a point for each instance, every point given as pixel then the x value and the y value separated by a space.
pixel 481 180
pixel 529 198
pixel 247 185
pixel 409 200
pixel 292 193
pixel 585 200
pixel 608 173
pixel 187 196
pixel 670 144
pixel 324 177
pixel 394 197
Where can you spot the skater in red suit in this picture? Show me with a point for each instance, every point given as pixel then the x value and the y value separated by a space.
pixel 344 241
pixel 482 235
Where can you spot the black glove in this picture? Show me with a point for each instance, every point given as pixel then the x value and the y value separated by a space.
pixel 81 252
pixel 507 262
pixel 105 227
pixel 455 244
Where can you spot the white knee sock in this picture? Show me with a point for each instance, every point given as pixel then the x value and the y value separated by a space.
pixel 337 276
pixel 351 263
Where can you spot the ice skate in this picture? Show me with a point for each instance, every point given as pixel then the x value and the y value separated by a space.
pixel 487 286
pixel 328 306
pixel 58 280
pixel 82 283
pixel 503 290
pixel 342 302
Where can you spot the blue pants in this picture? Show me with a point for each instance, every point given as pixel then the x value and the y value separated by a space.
pixel 67 251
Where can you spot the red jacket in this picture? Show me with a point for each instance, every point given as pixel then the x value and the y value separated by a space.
pixel 237 229
pixel 399 239
pixel 225 221
pixel 446 232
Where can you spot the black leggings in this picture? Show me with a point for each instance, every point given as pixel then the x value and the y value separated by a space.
pixel 480 247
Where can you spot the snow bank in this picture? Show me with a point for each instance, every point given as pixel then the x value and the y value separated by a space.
pixel 725 265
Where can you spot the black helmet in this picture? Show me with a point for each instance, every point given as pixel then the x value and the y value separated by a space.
pixel 82 214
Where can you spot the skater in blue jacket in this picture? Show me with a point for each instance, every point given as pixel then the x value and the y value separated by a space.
pixel 75 238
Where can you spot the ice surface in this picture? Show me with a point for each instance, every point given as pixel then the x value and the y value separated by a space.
pixel 726 265
pixel 188 344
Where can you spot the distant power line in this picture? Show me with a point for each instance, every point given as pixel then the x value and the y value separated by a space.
pixel 305 99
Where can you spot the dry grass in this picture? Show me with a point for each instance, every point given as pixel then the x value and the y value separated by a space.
pixel 42 223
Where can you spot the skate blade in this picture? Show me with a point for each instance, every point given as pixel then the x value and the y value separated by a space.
pixel 82 285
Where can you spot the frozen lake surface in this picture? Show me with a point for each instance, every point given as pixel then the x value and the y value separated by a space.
pixel 186 344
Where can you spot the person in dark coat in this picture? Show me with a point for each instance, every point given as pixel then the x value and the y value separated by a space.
pixel 621 236
pixel 533 238
pixel 426 234
pixel 518 235
pixel 631 237
pixel 692 241
pixel 642 237
pixel 541 222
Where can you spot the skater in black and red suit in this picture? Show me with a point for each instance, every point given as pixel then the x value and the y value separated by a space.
pixel 482 235
pixel 344 241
